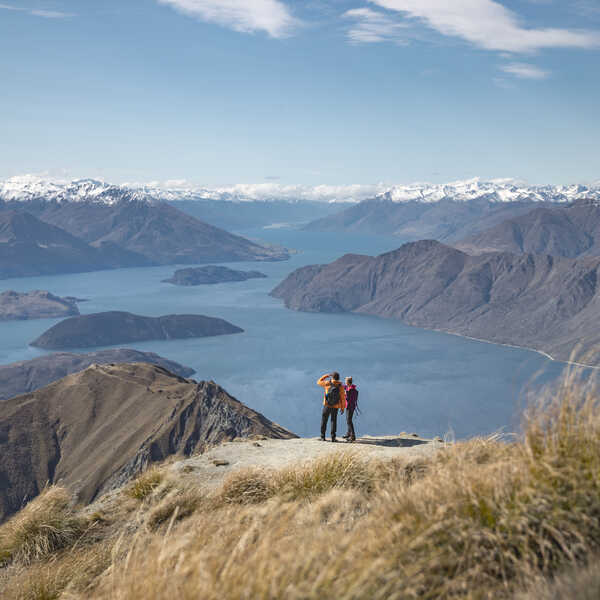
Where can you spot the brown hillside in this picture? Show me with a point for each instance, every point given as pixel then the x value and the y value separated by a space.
pixel 95 429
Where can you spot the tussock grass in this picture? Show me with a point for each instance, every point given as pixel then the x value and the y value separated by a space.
pixel 46 524
pixel 70 573
pixel 579 583
pixel 176 505
pixel 341 470
pixel 480 519
pixel 305 482
pixel 145 484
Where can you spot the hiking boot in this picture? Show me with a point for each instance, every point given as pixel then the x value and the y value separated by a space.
pixel 333 439
pixel 322 439
pixel 350 440
pixel 346 436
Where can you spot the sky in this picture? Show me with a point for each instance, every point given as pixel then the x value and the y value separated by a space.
pixel 306 91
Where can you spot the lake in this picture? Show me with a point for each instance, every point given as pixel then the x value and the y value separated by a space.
pixel 409 379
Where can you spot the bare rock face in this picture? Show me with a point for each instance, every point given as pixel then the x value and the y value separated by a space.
pixel 29 375
pixel 116 327
pixel 538 301
pixel 210 274
pixel 95 429
pixel 35 305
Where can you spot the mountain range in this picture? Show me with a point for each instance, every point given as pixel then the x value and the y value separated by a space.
pixel 449 212
pixel 538 301
pixel 30 187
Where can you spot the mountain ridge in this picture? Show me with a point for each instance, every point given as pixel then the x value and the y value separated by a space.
pixel 569 231
pixel 96 429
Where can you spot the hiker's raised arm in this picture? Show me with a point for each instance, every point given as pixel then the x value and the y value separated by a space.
pixel 323 379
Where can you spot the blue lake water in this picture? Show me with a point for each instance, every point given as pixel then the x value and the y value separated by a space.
pixel 409 379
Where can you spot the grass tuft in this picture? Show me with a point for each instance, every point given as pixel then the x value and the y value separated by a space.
pixel 45 525
pixel 145 484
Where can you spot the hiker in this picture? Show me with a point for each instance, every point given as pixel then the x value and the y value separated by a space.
pixel 334 399
pixel 351 406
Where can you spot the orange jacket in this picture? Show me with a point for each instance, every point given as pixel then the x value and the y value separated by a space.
pixel 326 383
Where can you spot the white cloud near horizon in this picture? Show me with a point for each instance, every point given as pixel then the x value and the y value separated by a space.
pixel 374 26
pixel 525 71
pixel 245 16
pixel 46 14
pixel 489 25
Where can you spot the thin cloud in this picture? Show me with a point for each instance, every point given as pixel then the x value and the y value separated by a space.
pixel 374 26
pixel 246 16
pixel 46 14
pixel 525 71
pixel 488 24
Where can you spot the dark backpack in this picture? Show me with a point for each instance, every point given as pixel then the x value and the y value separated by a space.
pixel 332 397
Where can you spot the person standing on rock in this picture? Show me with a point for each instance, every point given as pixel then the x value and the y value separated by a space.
pixel 351 405
pixel 334 399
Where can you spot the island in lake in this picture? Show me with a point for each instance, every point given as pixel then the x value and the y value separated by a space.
pixel 210 274
pixel 38 304
pixel 116 327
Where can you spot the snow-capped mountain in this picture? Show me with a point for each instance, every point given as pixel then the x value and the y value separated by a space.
pixel 497 190
pixel 30 187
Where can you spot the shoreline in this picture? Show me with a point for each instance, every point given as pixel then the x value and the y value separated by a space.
pixel 544 354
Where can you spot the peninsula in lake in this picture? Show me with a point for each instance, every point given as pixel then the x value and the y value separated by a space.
pixel 537 301
pixel 210 274
pixel 116 327
pixel 38 304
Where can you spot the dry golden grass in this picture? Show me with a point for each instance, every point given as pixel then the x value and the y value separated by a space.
pixel 46 524
pixel 145 484
pixel 480 519
pixel 70 572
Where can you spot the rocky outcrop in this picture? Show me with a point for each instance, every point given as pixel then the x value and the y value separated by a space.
pixel 210 274
pixel 570 231
pixel 116 327
pixel 95 429
pixel 35 305
pixel 538 301
pixel 29 375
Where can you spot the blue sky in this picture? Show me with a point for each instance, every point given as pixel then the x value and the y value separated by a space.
pixel 309 91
